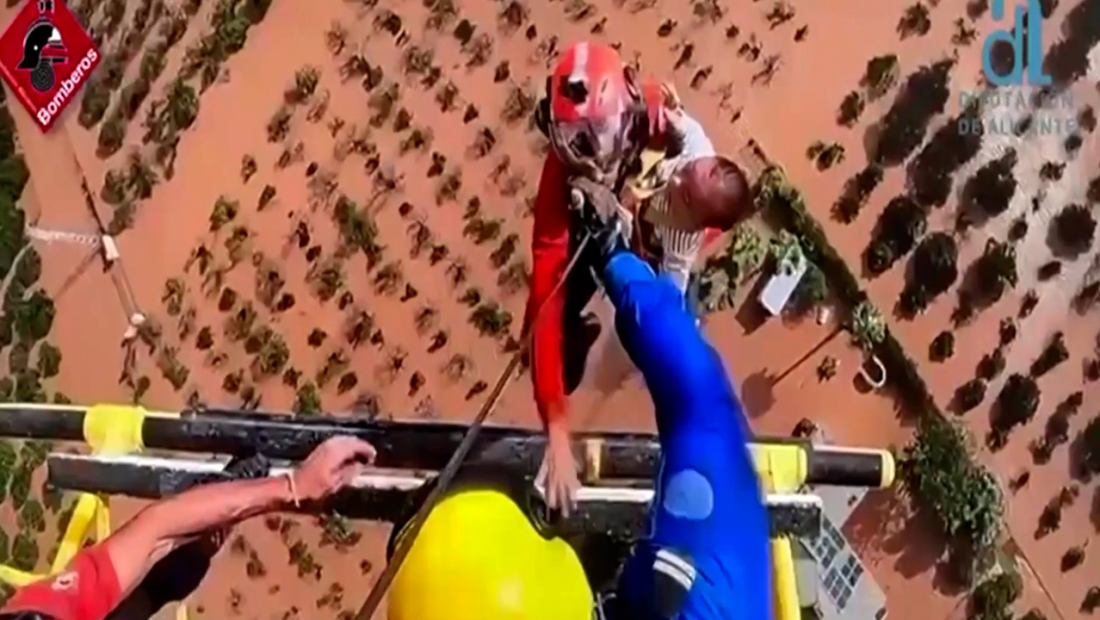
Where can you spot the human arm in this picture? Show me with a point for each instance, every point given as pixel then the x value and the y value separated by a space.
pixel 545 310
pixel 708 512
pixel 682 371
pixel 550 255
pixel 694 142
pixel 162 527
pixel 680 241
pixel 165 525
pixel 680 249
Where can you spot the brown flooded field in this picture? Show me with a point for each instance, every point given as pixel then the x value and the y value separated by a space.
pixel 320 211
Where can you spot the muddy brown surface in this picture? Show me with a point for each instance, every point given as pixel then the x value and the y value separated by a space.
pixel 773 362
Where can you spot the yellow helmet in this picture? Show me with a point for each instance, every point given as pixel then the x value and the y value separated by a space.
pixel 479 557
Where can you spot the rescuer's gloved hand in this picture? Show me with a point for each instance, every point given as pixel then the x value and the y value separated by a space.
pixel 601 215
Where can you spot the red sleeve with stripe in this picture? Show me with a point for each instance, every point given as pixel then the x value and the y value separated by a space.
pixel 550 255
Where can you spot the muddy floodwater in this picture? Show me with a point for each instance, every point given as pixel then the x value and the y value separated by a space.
pixel 338 218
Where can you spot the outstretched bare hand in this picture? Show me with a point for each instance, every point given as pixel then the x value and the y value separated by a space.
pixel 332 466
pixel 558 473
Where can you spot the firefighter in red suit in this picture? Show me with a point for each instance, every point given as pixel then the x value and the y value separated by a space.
pixel 597 118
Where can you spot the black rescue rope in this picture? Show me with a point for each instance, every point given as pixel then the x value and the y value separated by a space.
pixel 443 481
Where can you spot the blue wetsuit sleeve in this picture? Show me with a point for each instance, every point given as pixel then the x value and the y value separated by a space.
pixel 682 371
pixel 708 503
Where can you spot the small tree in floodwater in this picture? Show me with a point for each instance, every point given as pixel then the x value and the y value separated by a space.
pixel 411 292
pixel 248 167
pixel 140 176
pixel 482 230
pixel 490 319
pixel 205 339
pixel 307 400
pixel 935 269
pixel 326 279
pixel 881 75
pixel 458 271
pixel 458 367
pixel 1074 228
pixel 470 297
pixel 336 38
pixel 969 395
pixel 239 326
pixel 504 252
pixel 856 192
pixel 173 295
pixel 389 279
pixel 987 194
pixel 1053 354
pixel 316 338
pixel 476 389
pixel 271 358
pixel 448 188
pixel 347 382
pixel 904 125
pixel 439 340
pixel 386 373
pixel 225 211
pixel 942 347
pixel 278 126
pixel 426 319
pixel 173 370
pixel 416 381
pixel 479 51
pixel 305 84
pixel 439 253
pixel 1016 405
pixel 359 328
pixel 519 105
pixel 335 365
pixel 915 21
pixel 851 108
pixel 902 223
pixel 993 272
pixel 516 277
pixel 420 237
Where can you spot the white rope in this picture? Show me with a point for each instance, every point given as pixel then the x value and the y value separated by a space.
pixel 51 236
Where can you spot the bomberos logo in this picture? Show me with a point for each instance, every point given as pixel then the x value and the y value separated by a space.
pixel 45 56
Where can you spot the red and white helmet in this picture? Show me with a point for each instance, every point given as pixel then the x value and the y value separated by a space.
pixel 589 100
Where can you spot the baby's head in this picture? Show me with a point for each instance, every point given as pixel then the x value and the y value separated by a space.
pixel 713 192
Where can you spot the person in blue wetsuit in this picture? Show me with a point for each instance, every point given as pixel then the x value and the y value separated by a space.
pixel 705 555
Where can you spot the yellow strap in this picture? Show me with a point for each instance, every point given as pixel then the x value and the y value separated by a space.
pixel 108 429
pixel 89 508
pixel 17 578
pixel 181 612
pixel 645 183
pixel 114 429
pixel 102 521
pixel 784 580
